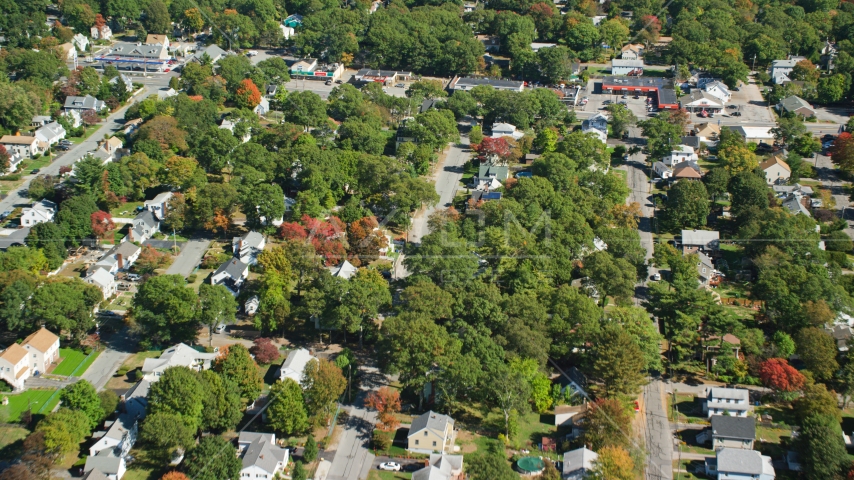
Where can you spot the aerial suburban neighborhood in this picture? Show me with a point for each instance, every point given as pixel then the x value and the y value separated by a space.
pixel 376 240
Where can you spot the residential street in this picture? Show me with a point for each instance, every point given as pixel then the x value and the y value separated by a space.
pixel 118 348
pixel 659 437
pixel 111 125
pixel 353 459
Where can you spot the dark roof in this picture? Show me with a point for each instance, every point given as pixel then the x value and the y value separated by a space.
pixel 495 82
pixel 16 238
pixel 734 427
pixel 147 217
pixel 664 86
pixel 478 195
pixel 428 104
pixel 234 268
pixel 691 141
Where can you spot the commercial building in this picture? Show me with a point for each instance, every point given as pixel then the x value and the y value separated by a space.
pixel 661 89
pixel 468 83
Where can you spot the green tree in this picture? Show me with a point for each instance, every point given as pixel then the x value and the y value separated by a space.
pixel 237 365
pixel 216 305
pixel 222 404
pixel 286 412
pixel 299 471
pixel 608 424
pixel 748 190
pixel 109 402
pixel 613 463
pixel 63 430
pixel 82 396
pixel 784 344
pixel 74 217
pixel 426 89
pixel 822 449
pixel 636 323
pixel 491 465
pixel 309 453
pixel 687 206
pixel 48 237
pixel 365 294
pixel 817 400
pixel 64 305
pixel 166 431
pixel 716 181
pixel 17 106
pixel 621 119
pixel 305 108
pixel 157 18
pixel 214 458
pixel 832 89
pixel 618 363
pixel 178 392
pixel 165 310
pixel 613 277
pixel 476 135
pixel 509 391
pixel 817 350
pixel 322 385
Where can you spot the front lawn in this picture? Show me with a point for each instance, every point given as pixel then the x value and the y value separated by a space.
pixel 120 380
pixel 38 401
pixel 689 409
pixel 74 362
pixel 383 475
pixel 126 210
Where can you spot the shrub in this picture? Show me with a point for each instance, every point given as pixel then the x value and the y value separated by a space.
pixel 192 278
pixel 264 350
pixel 11 178
pixel 381 441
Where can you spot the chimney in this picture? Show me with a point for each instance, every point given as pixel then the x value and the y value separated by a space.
pixel 120 260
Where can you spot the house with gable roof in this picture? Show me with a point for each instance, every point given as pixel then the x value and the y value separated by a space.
pixel 727 401
pixel 41 212
pixel 740 464
pixel 13 366
pixel 441 467
pixel 248 247
pixel 231 275
pixel 294 366
pixel 260 456
pixel 145 224
pixel 180 355
pixel 42 348
pixel 431 432
pixel 776 170
pixel 577 463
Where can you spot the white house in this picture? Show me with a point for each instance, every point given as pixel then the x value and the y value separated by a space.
pixel 125 80
pixel 120 257
pixel 262 108
pixel 247 247
pixel 679 154
pixel 42 350
pixel 776 170
pixel 120 435
pixel 627 67
pixel 103 280
pixel 13 366
pixel 260 456
pixel 536 46
pixel 599 134
pixel 632 51
pixel 661 170
pixel 25 146
pixel 159 204
pixel 180 355
pixel 506 130
pixel 699 100
pixel 294 366
pixel 740 464
pixel 345 270
pixel 68 51
pixel 251 305
pixel 84 103
pixel 780 69
pixel 731 401
pixel 101 33
pixel 73 117
pixel 50 134
pixel 718 90
pixel 80 41
pixel 441 467
pixel 755 134
pixel 231 275
pixel 107 464
pixel 144 225
pixel 577 463
pixel 41 211
pixel 598 122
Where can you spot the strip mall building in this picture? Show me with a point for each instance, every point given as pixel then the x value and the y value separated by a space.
pixel 661 89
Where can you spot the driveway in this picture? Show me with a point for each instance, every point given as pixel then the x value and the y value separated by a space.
pixel 118 348
pixel 353 458
pixel 189 258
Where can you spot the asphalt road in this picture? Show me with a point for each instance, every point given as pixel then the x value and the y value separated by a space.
pixel 353 458
pixel 189 258
pixel 119 347
pixel 659 438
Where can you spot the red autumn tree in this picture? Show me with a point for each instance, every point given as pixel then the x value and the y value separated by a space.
pixel 4 158
pixel 494 149
pixel 325 236
pixel 387 402
pixel 292 231
pixel 102 222
pixel 842 152
pixel 247 95
pixel 99 21
pixel 776 373
pixel 264 350
pixel 90 117
pixel 650 28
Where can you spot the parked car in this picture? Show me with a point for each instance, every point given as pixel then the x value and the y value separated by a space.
pixel 5 214
pixel 735 114
pixel 400 85
pixel 339 82
pixel 329 82
pixel 220 328
pixel 133 277
pixel 390 466
pixel 35 171
pixel 252 53
pixel 656 276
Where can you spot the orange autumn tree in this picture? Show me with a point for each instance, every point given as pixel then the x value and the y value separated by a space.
pixel 387 402
pixel 174 476
pixel 102 222
pixel 247 95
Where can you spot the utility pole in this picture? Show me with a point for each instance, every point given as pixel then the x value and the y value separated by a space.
pixel 753 69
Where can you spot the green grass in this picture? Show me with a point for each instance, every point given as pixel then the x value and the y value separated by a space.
pixel 688 409
pixel 688 465
pixel 691 445
pixel 74 362
pixel 10 435
pixel 780 414
pixel 39 163
pixel 382 475
pixel 37 400
pixel 145 466
pixel 89 132
pixel 126 210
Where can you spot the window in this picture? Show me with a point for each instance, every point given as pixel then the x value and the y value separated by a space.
pixel 425 434
pixel 416 442
pixel 34 355
pixel 434 443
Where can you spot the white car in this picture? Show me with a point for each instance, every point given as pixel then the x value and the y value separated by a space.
pixel 390 466
pixel 220 328
pixel 656 276
pixel 252 53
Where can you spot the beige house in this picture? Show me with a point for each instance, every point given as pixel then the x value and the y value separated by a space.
pixel 24 146
pixel 155 39
pixel 431 432
pixel 776 170
pixel 13 366
pixel 42 349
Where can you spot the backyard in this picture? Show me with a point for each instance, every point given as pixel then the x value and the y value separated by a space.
pixel 38 401
pixel 121 380
pixel 74 362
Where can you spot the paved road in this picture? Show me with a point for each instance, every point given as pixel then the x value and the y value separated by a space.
pixel 659 437
pixel 189 258
pixel 353 458
pixel 118 348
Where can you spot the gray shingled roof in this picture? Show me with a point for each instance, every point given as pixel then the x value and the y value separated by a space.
pixel 234 268
pixel 794 102
pixel 737 460
pixel 147 217
pixel 264 455
pixel 432 421
pixel 488 81
pixel 95 474
pixel 734 427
